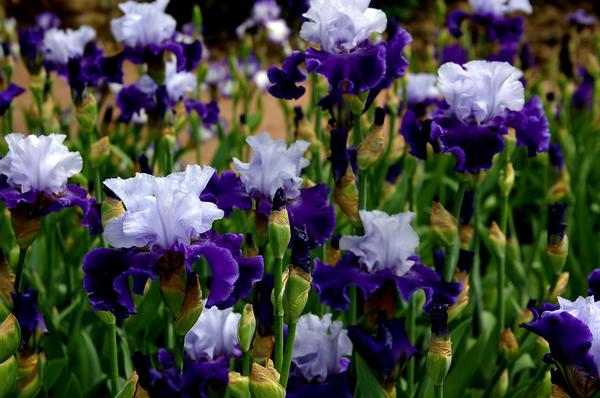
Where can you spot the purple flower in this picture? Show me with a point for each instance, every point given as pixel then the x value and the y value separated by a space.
pixel 7 96
pixel 531 127
pixel 386 252
pixel 47 20
pixel 454 53
pixel 417 134
pixel 556 222
pixel 583 97
pixel 34 174
pixel 594 284
pixel 571 329
pixel 227 192
pixel 25 309
pixel 30 43
pixel 386 350
pixel 284 80
pixel 556 157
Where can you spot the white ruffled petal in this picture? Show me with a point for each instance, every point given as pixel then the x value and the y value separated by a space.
pixel 61 45
pixel 143 23
pixel 213 335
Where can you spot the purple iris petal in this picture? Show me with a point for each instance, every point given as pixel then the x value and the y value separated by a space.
pixel 506 53
pixel 556 220
pixel 313 210
pixel 474 146
pixel 454 21
pixel 594 284
pixel 263 306
pixel 335 386
pixel 25 309
pixel 112 68
pixel 350 73
pixel 556 157
pixel 385 351
pixel 501 28
pixel 227 192
pixel 130 100
pixel 77 196
pixel 106 279
pixel 153 54
pixel 570 341
pixel 7 96
pixel 250 268
pixel 85 71
pixel 467 210
pixel 339 158
pixel 192 55
pixel 531 127
pixel 583 97
pixel 284 81
pixel 201 376
pixel 394 172
pixel 158 384
pixel 30 43
pixel 417 134
pixel 332 283
pixel 209 112
pixel 454 53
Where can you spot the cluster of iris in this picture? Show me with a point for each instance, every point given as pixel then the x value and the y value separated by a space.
pixel 341 319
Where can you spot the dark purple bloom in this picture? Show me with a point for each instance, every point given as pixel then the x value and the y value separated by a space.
pixel 85 71
pixel 106 279
pixel 284 81
pixel 25 309
pixel 594 284
pixel 197 379
pixel 300 249
pixel 335 386
pixel 227 192
pixel 340 157
pixel 385 351
pixel 394 172
pixel 188 55
pixel 263 306
pixel 313 211
pixel 583 97
pixel 454 53
pixel 332 282
pixel 467 210
pixel 130 100
pixel 454 22
pixel 531 127
pixel 7 96
pixel 556 221
pixel 350 73
pixel 417 134
pixel 556 157
pixel 465 260
pixel 506 53
pixel 209 112
pixel 439 320
pixel 30 43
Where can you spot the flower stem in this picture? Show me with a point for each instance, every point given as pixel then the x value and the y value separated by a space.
pixel 412 336
pixel 278 309
pixel 245 363
pixel 287 360
pixel 113 357
pixel 438 391
pixel 19 270
pixel 455 249
pixel 502 270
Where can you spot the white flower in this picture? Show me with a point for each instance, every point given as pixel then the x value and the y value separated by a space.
pixel 500 7
pixel 340 25
pixel 274 165
pixel 161 211
pixel 481 90
pixel 587 311
pixel 261 79
pixel 62 45
pixel 321 347
pixel 264 11
pixel 421 87
pixel 277 31
pixel 178 83
pixel 41 162
pixel 143 23
pixel 388 242
pixel 214 335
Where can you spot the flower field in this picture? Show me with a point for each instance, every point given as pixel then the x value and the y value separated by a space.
pixel 330 200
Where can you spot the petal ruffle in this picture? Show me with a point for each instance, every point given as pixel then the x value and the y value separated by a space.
pixel 312 209
pixel 227 192
pixel 531 127
pixel 284 81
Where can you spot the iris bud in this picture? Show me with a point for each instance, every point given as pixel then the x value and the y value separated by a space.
pixel 501 386
pixel 197 19
pixel 264 381
pixel 497 240
pixel 304 129
pixel 111 208
pixel 443 224
pixel 7 281
pixel 346 196
pixel 246 328
pixel 372 146
pixel 10 337
pixel 439 356
pixel 508 346
pixel 560 287
pixel 356 102
pixel 28 375
pixel 238 386
pixel 8 375
pixel 25 225
pixel 262 347
pixel 279 225
pixel 296 293
pixel 86 112
pixel 100 151
pixel 507 180
pixel 191 307
pixel 558 241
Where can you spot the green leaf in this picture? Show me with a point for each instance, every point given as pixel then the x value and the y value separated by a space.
pixel 73 389
pixel 127 391
pixel 367 382
pixel 53 370
pixel 254 121
pixel 84 360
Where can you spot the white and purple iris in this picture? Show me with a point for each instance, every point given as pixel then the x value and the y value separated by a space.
pixel 572 330
pixel 276 165
pixel 340 36
pixel 386 251
pixel 62 45
pixel 143 23
pixel 500 7
pixel 421 88
pixel 214 336
pixel 35 173
pixel 163 227
pixel 483 99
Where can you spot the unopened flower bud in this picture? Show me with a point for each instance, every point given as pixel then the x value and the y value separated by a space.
pixel 465 262
pixel 508 346
pixel 262 347
pixel 443 224
pixel 558 392
pixel 510 142
pixel 86 112
pixel 238 386
pixel 25 225
pixel 439 356
pixel 197 19
pixel 192 306
pixel 10 337
pixel 7 281
pixel 561 188
pixel 8 376
pixel 100 151
pixel 507 180
pixel 501 386
pixel 356 102
pixel 249 247
pixel 246 328
pixel 373 144
pixel 106 317
pixel 346 196
pixel 264 381
pixel 497 240
pixel 279 225
pixel 558 241
pixel 560 287
pixel 29 381
pixel 296 293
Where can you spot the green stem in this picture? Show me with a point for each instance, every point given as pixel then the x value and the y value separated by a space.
pixel 278 309
pixel 412 336
pixel 438 391
pixel 20 269
pixel 502 270
pixel 114 359
pixel 287 360
pixel 246 363
pixel 455 249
